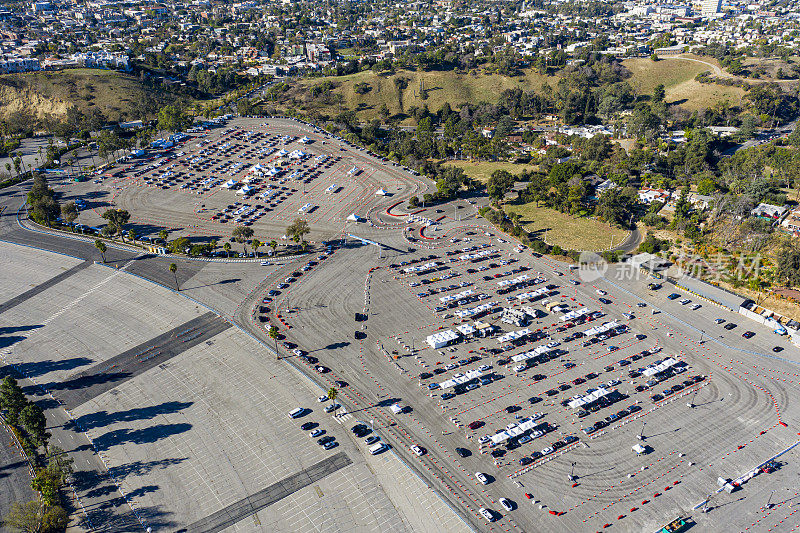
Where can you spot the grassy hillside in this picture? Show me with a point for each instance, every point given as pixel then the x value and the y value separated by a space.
pixel 677 75
pixel 118 96
pixel 441 87
pixel 569 232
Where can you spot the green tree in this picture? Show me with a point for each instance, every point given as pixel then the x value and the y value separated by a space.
pixel 35 423
pixel 659 93
pixel 618 205
pixel 174 118
pixel 69 212
pixel 163 235
pixel 273 334
pixel 12 399
pixel 227 248
pixel 332 394
pixel 132 235
pixel 242 234
pixel 179 245
pixel 787 264
pixel 174 269
pixel 117 218
pixel 36 517
pixel 499 184
pixel 298 229
pixel 101 247
pixel 274 245
pixel 256 244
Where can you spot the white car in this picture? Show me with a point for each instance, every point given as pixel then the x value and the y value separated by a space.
pixel 695 307
pixel 601 292
pixel 316 433
pixel 547 451
pixel 322 399
pixel 487 514
pixel 484 439
pixel 417 450
pixel 506 504
pixel 484 368
pixel 519 368
pixel 298 352
pixel 481 477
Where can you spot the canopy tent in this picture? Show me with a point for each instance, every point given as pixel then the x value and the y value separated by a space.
pixel 230 184
pixel 380 192
pixel 245 190
pixel 352 218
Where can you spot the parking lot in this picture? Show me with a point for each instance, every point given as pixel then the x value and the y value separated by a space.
pixel 540 371
pixel 246 172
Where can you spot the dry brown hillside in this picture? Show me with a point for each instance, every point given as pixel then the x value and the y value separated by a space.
pixel 118 96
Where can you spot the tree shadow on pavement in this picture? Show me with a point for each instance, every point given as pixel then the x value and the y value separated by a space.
pixel 104 418
pixel 147 435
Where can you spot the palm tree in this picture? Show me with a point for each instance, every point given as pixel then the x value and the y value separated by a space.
pixel 174 269
pixel 332 394
pixel 255 244
pixel 274 246
pixel 227 248
pixel 163 234
pixel 101 246
pixel 132 235
pixel 273 334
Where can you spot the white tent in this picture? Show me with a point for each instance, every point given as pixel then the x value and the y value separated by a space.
pixel 245 190
pixel 304 139
pixel 230 184
pixel 258 167
pixel 282 153
pixel 380 192
pixel 273 171
pixel 352 218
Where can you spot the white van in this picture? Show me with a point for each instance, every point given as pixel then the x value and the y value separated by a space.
pixel 295 413
pixel 375 449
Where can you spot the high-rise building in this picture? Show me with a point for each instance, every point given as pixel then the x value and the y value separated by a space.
pixel 711 7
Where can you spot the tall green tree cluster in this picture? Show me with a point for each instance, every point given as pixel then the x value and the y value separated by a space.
pixel 42 203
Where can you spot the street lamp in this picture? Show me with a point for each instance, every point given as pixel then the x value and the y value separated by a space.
pixel 572 472
pixel 640 436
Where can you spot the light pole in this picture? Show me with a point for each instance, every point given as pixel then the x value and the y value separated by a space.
pixel 702 332
pixel 769 501
pixel 572 472
pixel 641 433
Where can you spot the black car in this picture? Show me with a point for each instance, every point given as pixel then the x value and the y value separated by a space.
pixel 729 326
pixel 525 461
pixel 463 452
pixel 308 425
pixel 569 439
pixel 534 399
pixel 325 439
pixel 777 349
